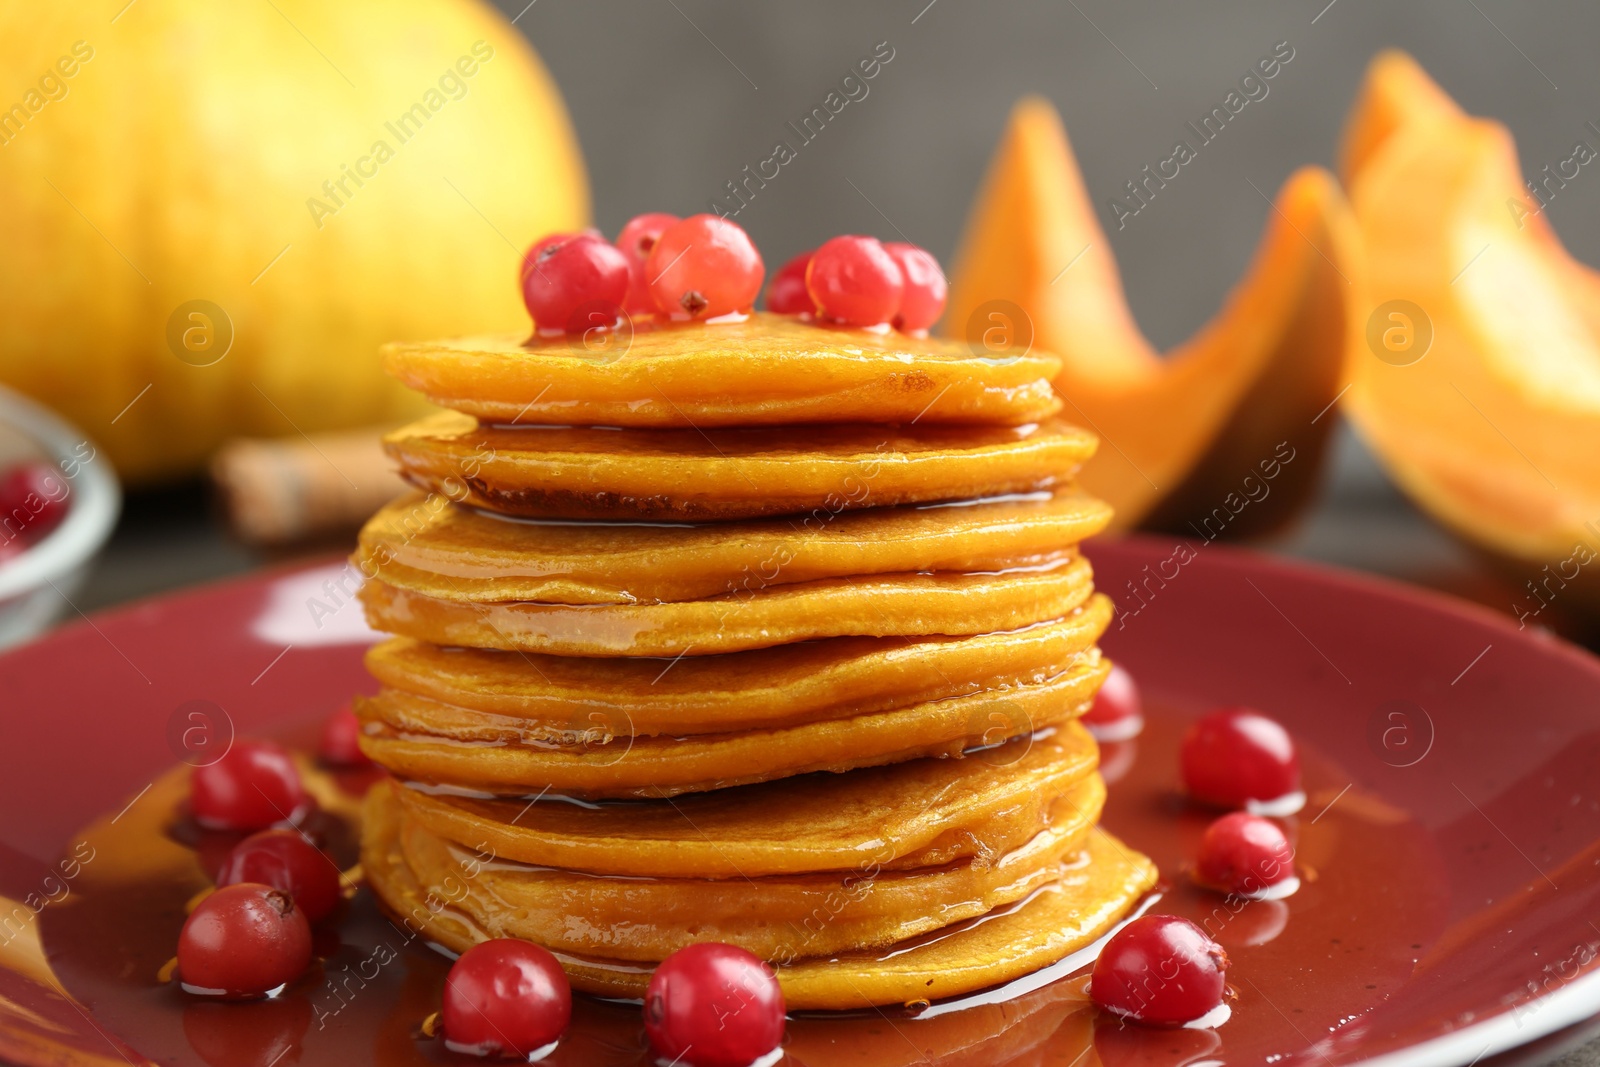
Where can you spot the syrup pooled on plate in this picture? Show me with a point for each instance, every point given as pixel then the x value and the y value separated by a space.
pixel 1305 970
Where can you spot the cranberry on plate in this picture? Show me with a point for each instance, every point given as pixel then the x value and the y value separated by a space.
pixel 1160 970
pixel 341 740
pixel 1237 757
pixel 284 859
pixel 244 940
pixel 1117 713
pixel 254 785
pixel 1245 855
pixel 713 1005
pixel 505 998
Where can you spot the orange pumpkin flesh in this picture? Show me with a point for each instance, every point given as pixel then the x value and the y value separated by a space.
pixel 1180 433
pixel 1396 92
pixel 1495 429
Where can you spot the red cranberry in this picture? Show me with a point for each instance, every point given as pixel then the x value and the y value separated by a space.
pixel 566 277
pixel 854 280
pixel 704 267
pixel 1244 854
pixel 505 998
pixel 787 294
pixel 243 940
pixel 530 258
pixel 252 786
pixel 341 740
pixel 922 302
pixel 636 241
pixel 285 860
pixel 1117 713
pixel 1159 969
pixel 713 1005
pixel 1236 756
pixel 33 500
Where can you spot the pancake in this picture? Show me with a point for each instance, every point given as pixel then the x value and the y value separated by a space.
pixel 776 917
pixel 791 684
pixel 892 605
pixel 426 544
pixel 771 369
pixel 1091 893
pixel 425 741
pixel 916 814
pixel 586 472
pixel 771 633
pixel 1089 898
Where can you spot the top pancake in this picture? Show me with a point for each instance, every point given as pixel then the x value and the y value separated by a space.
pixel 768 370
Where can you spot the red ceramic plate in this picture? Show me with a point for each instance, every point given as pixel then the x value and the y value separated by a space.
pixel 1450 846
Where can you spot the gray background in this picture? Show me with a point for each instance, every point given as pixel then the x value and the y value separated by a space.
pixel 665 116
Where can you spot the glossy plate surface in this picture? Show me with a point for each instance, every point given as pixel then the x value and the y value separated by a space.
pixel 1451 841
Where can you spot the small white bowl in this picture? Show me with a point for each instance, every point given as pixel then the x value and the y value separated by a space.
pixel 36 586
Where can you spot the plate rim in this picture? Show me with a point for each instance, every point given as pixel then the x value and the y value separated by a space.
pixel 1575 1002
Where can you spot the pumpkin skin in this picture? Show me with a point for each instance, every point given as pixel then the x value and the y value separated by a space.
pixel 1241 399
pixel 1496 429
pixel 181 165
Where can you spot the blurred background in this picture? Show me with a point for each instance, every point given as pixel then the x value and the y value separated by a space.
pixel 672 99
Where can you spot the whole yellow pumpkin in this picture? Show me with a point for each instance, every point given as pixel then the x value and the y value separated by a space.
pixel 216 212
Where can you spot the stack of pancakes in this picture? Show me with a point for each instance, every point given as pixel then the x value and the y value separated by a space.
pixel 760 633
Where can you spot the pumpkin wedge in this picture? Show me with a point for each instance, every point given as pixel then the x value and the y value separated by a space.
pixel 1495 429
pixel 1395 93
pixel 1223 435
